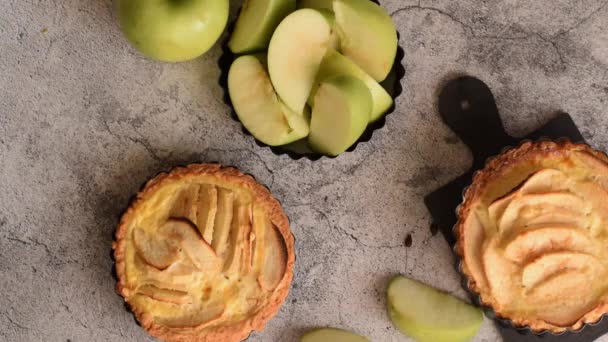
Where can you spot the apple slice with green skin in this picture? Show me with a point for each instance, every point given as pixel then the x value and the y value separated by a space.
pixel 316 4
pixel 335 64
pixel 295 53
pixel 367 35
pixel 343 105
pixel 170 30
pixel 429 315
pixel 257 22
pixel 257 105
pixel 331 335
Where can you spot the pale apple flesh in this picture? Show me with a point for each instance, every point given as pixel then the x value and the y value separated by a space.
pixel 429 315
pixel 335 64
pixel 342 109
pixel 257 105
pixel 173 31
pixel 331 335
pixel 256 23
pixel 367 35
pixel 295 53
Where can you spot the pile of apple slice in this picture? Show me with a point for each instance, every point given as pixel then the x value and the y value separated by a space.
pixel 311 73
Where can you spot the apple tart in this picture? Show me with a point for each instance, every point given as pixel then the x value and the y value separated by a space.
pixel 533 235
pixel 204 253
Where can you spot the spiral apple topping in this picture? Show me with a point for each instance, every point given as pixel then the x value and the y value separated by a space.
pixel 539 251
pixel 203 254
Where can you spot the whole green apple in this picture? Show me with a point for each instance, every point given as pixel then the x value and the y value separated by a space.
pixel 173 30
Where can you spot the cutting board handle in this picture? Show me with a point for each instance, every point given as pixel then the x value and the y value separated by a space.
pixel 467 106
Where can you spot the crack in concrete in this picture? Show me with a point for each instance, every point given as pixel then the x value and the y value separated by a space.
pixel 67 308
pixel 31 242
pixel 528 35
pixel 141 141
pixel 22 327
pixel 583 20
pixel 351 235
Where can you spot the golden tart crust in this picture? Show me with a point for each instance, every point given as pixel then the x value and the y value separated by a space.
pixel 188 282
pixel 532 235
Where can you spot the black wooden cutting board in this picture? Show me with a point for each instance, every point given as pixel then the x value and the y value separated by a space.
pixel 467 106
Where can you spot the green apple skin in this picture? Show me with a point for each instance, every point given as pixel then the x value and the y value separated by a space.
pixel 343 105
pixel 256 23
pixel 295 53
pixel 335 64
pixel 331 335
pixel 367 35
pixel 172 31
pixel 316 4
pixel 429 315
pixel 257 105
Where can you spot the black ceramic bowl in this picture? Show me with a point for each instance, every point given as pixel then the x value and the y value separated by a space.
pixel 299 149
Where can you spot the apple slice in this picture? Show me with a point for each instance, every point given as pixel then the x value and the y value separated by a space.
pixel 257 105
pixel 316 4
pixel 343 105
pixel 257 22
pixel 547 266
pixel 295 53
pixel 367 35
pixel 156 252
pixel 223 220
pixel 335 64
pixel 185 203
pixel 205 316
pixel 275 258
pixel 238 237
pixel 429 315
pixel 531 243
pixel 207 208
pixel 165 295
pixel 199 252
pixel 333 335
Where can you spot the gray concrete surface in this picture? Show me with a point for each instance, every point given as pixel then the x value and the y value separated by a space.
pixel 85 119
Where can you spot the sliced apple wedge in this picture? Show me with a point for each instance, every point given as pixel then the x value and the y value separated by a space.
pixel 295 53
pixel 185 204
pixel 335 64
pixel 275 259
pixel 207 209
pixel 256 23
pixel 257 105
pixel 199 252
pixel 367 35
pixel 208 315
pixel 545 267
pixel 343 105
pixel 155 251
pixel 429 315
pixel 223 219
pixel 165 295
pixel 531 243
pixel 316 4
pixel 332 335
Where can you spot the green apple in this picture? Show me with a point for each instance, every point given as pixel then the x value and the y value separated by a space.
pixel 335 64
pixel 331 335
pixel 295 53
pixel 342 109
pixel 173 30
pixel 429 315
pixel 367 35
pixel 257 105
pixel 316 4
pixel 257 22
